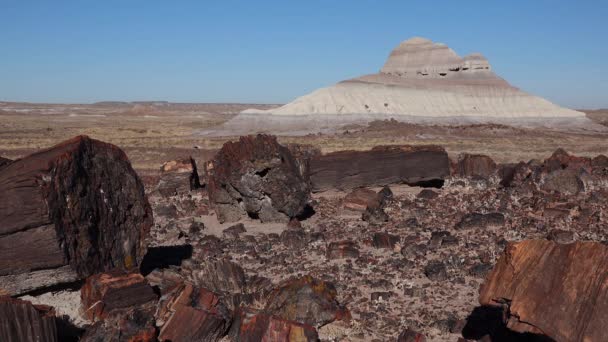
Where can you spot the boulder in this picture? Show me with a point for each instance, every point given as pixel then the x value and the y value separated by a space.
pixel 252 326
pixel 68 212
pixel 256 177
pixel 379 166
pixel 306 300
pixel 476 166
pixel 178 177
pixel 552 289
pixel 566 181
pixel 22 321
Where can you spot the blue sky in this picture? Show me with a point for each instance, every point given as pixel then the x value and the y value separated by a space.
pixel 274 51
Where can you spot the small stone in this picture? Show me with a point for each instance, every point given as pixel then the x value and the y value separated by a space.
pixel 436 271
pixel 293 238
pixel 561 236
pixel 384 240
pixel 410 336
pixel 342 250
pixel 427 194
pixel 234 231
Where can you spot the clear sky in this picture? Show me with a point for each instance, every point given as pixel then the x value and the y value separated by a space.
pixel 273 51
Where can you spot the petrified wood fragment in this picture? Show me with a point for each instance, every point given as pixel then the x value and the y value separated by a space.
pixel 189 314
pixel 22 321
pixel 68 212
pixel 306 300
pixel 560 291
pixel 257 177
pixel 379 166
pixel 106 292
pixel 251 326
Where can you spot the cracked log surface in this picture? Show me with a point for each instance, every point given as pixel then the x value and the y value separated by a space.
pixel 22 321
pixel 379 166
pixel 257 176
pixel 560 291
pixel 68 212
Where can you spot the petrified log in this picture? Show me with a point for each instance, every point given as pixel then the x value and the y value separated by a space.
pixel 257 177
pixel 475 166
pixel 22 321
pixel 251 326
pixel 104 293
pixel 178 177
pixel 382 165
pixel 68 212
pixel 556 290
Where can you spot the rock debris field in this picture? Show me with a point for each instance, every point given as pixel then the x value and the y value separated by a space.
pixel 266 242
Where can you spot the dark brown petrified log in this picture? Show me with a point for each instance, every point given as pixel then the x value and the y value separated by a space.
pixel 68 212
pixel 22 321
pixel 381 165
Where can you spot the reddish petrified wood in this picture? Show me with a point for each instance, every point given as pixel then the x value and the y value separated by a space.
pixel 556 290
pixel 382 165
pixel 105 292
pixel 251 326
pixel 68 212
pixel 342 250
pixel 359 199
pixel 256 176
pixel 475 166
pixel 192 314
pixel 22 321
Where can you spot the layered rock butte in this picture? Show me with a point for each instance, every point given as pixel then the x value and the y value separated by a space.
pixel 422 82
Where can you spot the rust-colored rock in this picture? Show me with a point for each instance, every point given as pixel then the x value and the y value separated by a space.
pixel 359 199
pixel 342 250
pixel 256 176
pixel 306 300
pixel 410 336
pixel 190 313
pixel 68 212
pixel 251 326
pixel 379 166
pixel 106 292
pixel 178 177
pixel 475 166
pixel 560 291
pixel 22 321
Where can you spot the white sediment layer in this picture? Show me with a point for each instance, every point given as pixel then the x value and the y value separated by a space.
pixel 422 82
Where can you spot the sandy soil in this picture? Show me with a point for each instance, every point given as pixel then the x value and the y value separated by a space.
pixel 154 132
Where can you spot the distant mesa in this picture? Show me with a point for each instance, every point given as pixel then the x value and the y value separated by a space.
pixel 421 82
